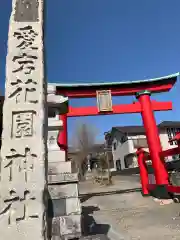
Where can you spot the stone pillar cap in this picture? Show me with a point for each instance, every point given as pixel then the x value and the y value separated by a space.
pixel 56 99
pixel 51 89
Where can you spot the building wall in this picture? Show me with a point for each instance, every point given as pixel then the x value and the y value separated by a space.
pixel 122 149
pixel 165 140
pixel 126 151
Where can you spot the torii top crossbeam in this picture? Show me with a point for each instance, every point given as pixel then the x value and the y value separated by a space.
pixel 87 90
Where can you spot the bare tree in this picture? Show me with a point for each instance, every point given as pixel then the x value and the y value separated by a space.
pixel 104 176
pixel 83 140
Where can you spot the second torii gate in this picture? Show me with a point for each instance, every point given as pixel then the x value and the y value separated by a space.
pixel 145 106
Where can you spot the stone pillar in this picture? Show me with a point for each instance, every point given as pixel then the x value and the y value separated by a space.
pixel 64 204
pixel 24 156
pixel 55 125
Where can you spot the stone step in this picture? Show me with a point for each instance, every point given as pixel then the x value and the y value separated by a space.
pixel 59 167
pixel 95 237
pixel 56 156
pixel 68 227
pixel 64 206
pixel 62 178
pixel 63 191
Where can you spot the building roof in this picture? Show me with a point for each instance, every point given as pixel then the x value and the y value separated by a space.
pixel 169 124
pixel 140 129
pixel 130 129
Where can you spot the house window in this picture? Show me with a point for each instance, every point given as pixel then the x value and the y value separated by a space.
pixel 141 142
pixel 171 132
pixel 129 160
pixel 114 145
pixel 126 162
pixel 118 164
pixel 123 139
pixel 51 112
pixel 176 157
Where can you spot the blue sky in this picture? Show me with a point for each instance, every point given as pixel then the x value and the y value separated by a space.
pixel 108 40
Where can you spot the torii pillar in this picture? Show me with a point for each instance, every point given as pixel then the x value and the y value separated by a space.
pixel 143 171
pixel 63 136
pixel 152 135
pixel 63 133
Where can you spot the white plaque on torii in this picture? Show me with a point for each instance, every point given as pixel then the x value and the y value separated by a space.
pixel 104 101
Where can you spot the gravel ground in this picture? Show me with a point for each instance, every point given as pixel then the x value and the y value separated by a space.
pixel 122 213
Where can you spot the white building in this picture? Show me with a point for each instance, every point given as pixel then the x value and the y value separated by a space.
pixel 125 140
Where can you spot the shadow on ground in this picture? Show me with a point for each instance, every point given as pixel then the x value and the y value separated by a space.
pixel 86 196
pixel 91 229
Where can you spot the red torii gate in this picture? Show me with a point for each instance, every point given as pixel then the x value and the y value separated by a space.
pixel 142 90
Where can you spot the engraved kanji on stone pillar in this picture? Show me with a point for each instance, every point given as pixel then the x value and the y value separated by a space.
pixel 22 125
pixel 23 179
pixel 16 207
pixel 19 165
